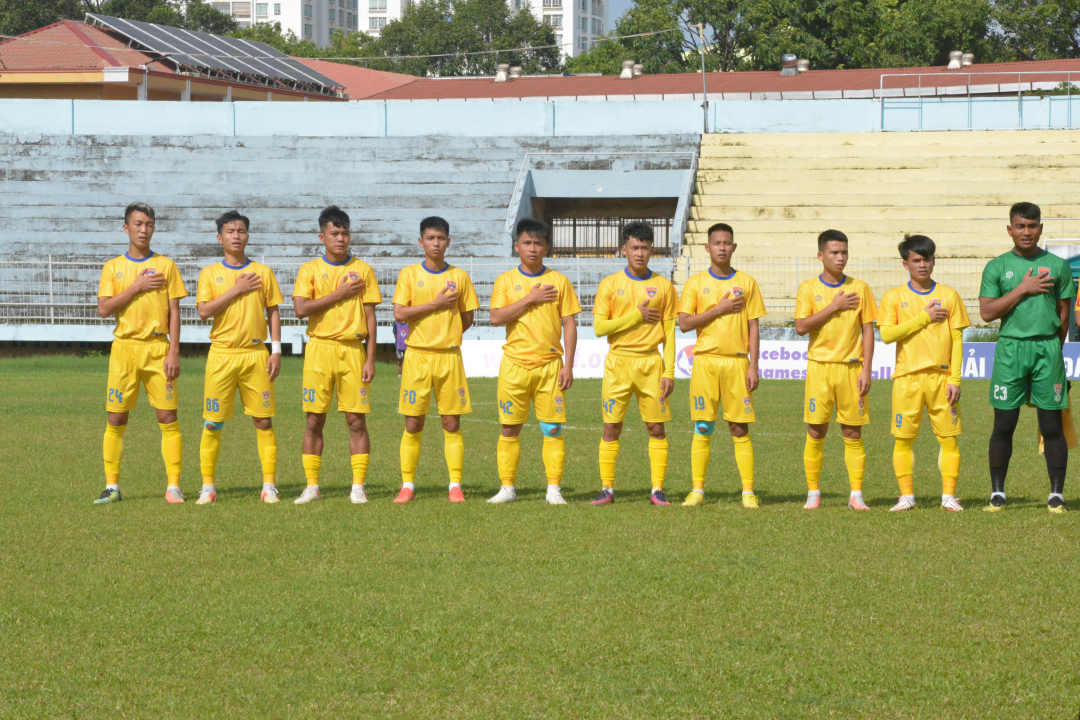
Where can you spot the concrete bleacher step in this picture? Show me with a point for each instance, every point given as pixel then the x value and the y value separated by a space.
pixel 1059 198
pixel 965 213
pixel 950 138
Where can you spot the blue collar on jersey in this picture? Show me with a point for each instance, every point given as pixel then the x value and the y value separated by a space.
pixel 241 267
pixel 542 271
pixel 719 277
pixel 346 261
pixel 921 292
pixel 635 277
pixel 843 279
pixel 434 272
pixel 152 254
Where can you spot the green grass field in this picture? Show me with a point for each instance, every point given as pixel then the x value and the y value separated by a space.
pixel 433 610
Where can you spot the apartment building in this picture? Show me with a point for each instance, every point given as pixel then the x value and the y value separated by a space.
pixel 577 23
pixel 313 20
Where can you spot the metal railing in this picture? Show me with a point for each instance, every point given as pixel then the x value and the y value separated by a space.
pixel 996 89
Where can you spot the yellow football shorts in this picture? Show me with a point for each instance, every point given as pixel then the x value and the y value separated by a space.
pixel 626 374
pixel 335 363
pixel 132 362
pixel 830 385
pixel 519 385
pixel 910 393
pixel 720 381
pixel 230 368
pixel 443 370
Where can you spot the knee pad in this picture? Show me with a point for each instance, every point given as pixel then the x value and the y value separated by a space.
pixel 214 426
pixel 551 429
pixel 705 427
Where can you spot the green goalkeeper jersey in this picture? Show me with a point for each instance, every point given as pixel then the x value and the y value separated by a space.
pixel 1035 315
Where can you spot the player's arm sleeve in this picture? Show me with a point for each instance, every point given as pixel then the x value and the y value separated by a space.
pixel 305 284
pixel 1066 286
pixel 688 299
pixel 569 304
pixel 602 326
pixel 273 290
pixel 804 302
pixel 869 306
pixel 671 303
pixel 990 286
pixel 177 289
pixel 498 293
pixel 468 301
pixel 204 291
pixel 372 293
pixel 896 333
pixel 956 359
pixel 105 285
pixel 755 308
pixel 669 349
pixel 403 291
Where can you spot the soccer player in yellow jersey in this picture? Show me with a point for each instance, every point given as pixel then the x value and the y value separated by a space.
pixel 539 308
pixel 242 296
pixel 337 294
pixel 723 305
pixel 838 312
pixel 143 290
pixel 926 320
pixel 437 300
pixel 636 310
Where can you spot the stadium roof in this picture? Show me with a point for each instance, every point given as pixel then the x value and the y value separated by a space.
pixel 988 78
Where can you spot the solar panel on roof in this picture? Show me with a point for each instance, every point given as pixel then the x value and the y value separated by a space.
pixel 212 54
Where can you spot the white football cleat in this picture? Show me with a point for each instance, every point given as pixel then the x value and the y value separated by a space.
pixel 310 494
pixel 952 504
pixel 554 496
pixel 506 494
pixel 357 496
pixel 906 503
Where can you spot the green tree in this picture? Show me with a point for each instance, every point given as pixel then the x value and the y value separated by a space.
pixel 21 16
pixel 1038 29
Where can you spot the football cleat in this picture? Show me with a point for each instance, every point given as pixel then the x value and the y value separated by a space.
pixel 813 502
pixel 456 495
pixel 605 497
pixel 659 498
pixel 997 504
pixel 109 496
pixel 952 505
pixel 357 496
pixel 694 499
pixel 206 497
pixel 750 501
pixel 404 496
pixel 905 503
pixel 506 494
pixel 310 494
pixel 270 496
pixel 554 496
pixel 857 504
pixel 1057 506
pixel 173 496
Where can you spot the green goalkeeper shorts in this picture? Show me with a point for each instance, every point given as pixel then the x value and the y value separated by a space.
pixel 1028 368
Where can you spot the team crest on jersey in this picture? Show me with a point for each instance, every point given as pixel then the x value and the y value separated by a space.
pixel 650 291
pixel 451 286
pixel 1044 270
pixel 353 275
pixel 150 271
pixel 746 401
pixel 1057 392
pixel 168 391
pixel 935 303
pixel 862 406
pixel 952 413
pixel 266 398
pixel 737 291
pixel 558 403
pixel 363 396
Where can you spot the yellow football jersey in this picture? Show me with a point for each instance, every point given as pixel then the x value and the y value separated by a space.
pixel 243 321
pixel 442 329
pixel 931 347
pixel 345 319
pixel 535 338
pixel 727 334
pixel 620 294
pixel 147 316
pixel 840 338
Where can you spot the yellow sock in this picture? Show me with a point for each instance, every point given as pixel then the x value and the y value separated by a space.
pixel 454 449
pixel 359 468
pixel 172 450
pixel 554 459
pixel 855 459
pixel 812 457
pixel 312 468
pixel 113 450
pixel 903 461
pixel 744 459
pixel 508 455
pixel 949 463
pixel 267 442
pixel 209 447
pixel 700 449
pixel 658 461
pixel 410 455
pixel 609 454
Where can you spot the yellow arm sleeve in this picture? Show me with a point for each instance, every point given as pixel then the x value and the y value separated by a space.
pixel 669 349
pixel 602 326
pixel 905 330
pixel 957 356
